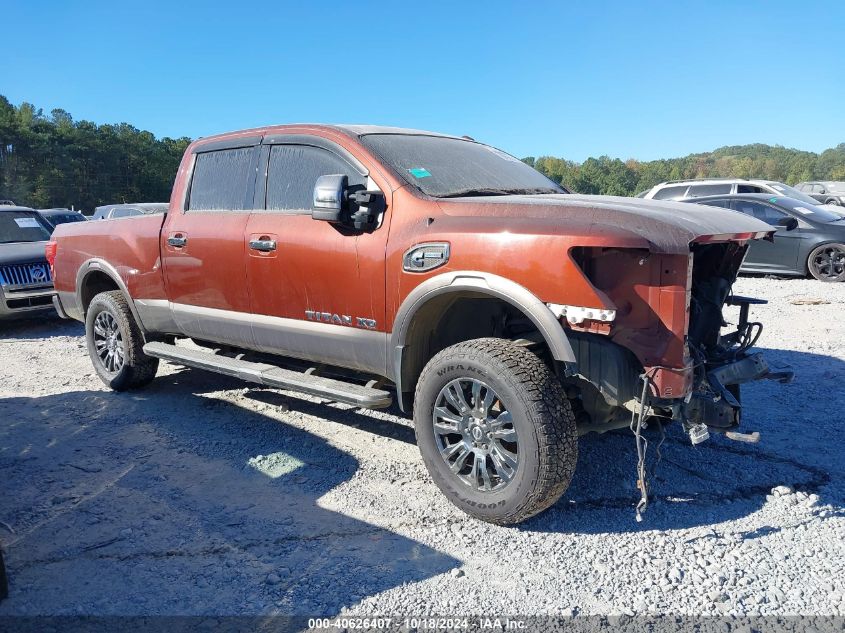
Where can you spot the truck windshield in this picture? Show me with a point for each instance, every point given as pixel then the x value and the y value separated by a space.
pixel 22 226
pixel 445 167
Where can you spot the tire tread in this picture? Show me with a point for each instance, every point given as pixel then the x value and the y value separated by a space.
pixel 550 412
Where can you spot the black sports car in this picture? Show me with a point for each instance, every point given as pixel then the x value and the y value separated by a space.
pixel 809 238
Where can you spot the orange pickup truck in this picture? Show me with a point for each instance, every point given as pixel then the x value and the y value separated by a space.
pixel 362 264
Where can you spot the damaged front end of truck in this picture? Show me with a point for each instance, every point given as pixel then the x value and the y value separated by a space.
pixel 660 347
pixel 721 361
pixel 669 353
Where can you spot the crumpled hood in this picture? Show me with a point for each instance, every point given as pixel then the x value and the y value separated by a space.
pixel 22 252
pixel 669 226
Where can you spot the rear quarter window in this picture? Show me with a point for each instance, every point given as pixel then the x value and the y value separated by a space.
pixel 671 193
pixel 697 191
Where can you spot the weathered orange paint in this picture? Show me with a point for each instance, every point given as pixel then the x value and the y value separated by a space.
pixel 319 267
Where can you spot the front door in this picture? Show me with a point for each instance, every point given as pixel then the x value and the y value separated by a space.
pixel 782 253
pixel 317 290
pixel 203 248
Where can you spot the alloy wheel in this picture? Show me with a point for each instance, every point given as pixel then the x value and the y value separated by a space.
pixel 475 435
pixel 108 342
pixel 829 262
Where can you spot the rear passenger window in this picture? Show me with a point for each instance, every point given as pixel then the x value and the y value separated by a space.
pixel 670 193
pixel 221 180
pixel 749 189
pixel 697 191
pixel 293 171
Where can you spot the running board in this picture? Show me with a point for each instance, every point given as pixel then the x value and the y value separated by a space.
pixel 272 376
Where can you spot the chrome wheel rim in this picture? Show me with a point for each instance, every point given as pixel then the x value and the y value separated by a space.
pixel 108 342
pixel 829 261
pixel 475 435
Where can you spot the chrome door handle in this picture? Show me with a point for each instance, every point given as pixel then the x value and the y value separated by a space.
pixel 177 240
pixel 263 245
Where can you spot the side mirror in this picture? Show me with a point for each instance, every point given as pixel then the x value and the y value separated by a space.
pixel 329 194
pixel 335 201
pixel 790 224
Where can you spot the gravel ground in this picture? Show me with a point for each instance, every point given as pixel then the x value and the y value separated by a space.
pixel 201 495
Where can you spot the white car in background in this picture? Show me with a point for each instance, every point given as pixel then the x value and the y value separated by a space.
pixel 700 187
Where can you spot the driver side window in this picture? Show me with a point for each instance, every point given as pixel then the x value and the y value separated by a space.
pixel 292 172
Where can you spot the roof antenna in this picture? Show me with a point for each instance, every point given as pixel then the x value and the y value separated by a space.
pixel 467 137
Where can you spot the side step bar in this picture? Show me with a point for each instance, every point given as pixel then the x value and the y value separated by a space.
pixel 272 376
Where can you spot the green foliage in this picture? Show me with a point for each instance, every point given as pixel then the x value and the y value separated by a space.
pixel 611 176
pixel 54 161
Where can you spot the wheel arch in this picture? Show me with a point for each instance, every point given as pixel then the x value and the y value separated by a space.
pixel 96 276
pixel 425 305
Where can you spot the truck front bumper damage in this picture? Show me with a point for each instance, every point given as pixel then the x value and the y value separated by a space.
pixel 712 402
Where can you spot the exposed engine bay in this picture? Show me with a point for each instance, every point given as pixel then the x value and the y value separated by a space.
pixel 722 362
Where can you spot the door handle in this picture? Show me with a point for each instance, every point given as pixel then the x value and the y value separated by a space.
pixel 177 240
pixel 263 245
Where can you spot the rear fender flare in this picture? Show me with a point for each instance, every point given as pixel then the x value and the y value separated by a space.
pixel 98 265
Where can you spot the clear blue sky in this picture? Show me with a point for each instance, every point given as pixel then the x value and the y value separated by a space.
pixel 574 79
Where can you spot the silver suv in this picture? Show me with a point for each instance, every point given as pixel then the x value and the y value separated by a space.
pixel 824 191
pixel 699 187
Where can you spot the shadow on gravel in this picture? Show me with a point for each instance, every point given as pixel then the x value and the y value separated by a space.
pixel 719 480
pixel 44 326
pixel 164 501
pixel 385 428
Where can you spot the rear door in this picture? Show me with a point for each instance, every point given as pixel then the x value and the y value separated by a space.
pixel 782 254
pixel 317 290
pixel 203 245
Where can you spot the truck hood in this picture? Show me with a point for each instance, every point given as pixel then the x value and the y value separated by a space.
pixel 22 252
pixel 669 226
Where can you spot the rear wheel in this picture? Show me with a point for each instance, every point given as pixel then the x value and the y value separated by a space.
pixel 115 344
pixel 827 262
pixel 495 430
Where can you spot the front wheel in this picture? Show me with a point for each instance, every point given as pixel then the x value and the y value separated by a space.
pixel 827 262
pixel 115 344
pixel 495 430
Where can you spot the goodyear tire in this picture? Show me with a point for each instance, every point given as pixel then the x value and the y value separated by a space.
pixel 495 430
pixel 115 344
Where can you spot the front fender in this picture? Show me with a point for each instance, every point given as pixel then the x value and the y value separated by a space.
pixel 482 283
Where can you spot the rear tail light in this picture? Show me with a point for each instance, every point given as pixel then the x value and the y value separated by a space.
pixel 50 253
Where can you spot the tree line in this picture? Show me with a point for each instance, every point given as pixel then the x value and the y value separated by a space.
pixel 50 160
pixel 611 176
pixel 53 161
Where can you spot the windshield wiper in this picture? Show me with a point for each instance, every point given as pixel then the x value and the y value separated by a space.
pixel 466 193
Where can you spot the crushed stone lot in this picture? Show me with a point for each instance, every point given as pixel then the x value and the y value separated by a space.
pixel 205 495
